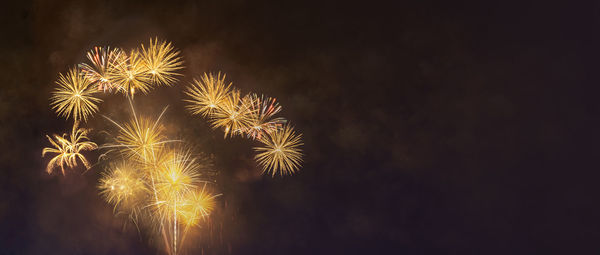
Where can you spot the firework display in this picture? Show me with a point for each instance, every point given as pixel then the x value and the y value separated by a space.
pixel 160 183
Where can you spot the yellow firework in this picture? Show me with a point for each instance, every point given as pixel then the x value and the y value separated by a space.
pixel 177 176
pixel 262 119
pixel 102 60
pixel 207 94
pixel 74 96
pixel 234 114
pixel 141 138
pixel 68 151
pixel 172 181
pixel 131 74
pixel 196 206
pixel 280 152
pixel 80 142
pixel 162 61
pixel 122 185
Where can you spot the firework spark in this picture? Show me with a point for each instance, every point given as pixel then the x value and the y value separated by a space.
pixel 172 181
pixel 234 114
pixel 102 60
pixel 122 185
pixel 131 75
pixel 162 61
pixel 262 118
pixel 141 138
pixel 74 96
pixel 207 94
pixel 280 152
pixel 69 150
pixel 197 206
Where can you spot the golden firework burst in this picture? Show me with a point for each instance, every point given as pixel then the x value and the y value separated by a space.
pixel 234 114
pixel 122 185
pixel 74 96
pixel 102 60
pixel 280 152
pixel 68 151
pixel 131 75
pixel 207 94
pixel 162 62
pixel 141 138
pixel 196 206
pixel 262 120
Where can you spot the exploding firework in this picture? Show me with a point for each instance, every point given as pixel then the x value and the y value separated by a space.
pixel 141 138
pixel 131 74
pixel 69 150
pixel 102 61
pixel 122 185
pixel 280 152
pixel 147 177
pixel 174 179
pixel 262 119
pixel 197 206
pixel 162 62
pixel 207 94
pixel 155 179
pixel 74 96
pixel 234 114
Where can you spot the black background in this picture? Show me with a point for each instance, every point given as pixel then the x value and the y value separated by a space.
pixel 429 127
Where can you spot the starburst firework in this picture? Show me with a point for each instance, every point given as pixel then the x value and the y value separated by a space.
pixel 74 96
pixel 234 114
pixel 141 138
pixel 162 61
pixel 69 150
pixel 280 152
pixel 122 185
pixel 207 94
pixel 102 60
pixel 262 120
pixel 174 179
pixel 131 75
pixel 196 206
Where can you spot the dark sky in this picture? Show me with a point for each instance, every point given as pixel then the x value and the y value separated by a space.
pixel 430 127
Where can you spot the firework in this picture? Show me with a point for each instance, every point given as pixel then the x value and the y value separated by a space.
pixel 262 111
pixel 162 62
pixel 122 185
pixel 280 152
pixel 172 182
pixel 74 96
pixel 174 179
pixel 197 205
pixel 69 150
pixel 131 74
pixel 141 138
pixel 156 180
pixel 234 114
pixel 146 176
pixel 102 61
pixel 207 94
pixel 61 148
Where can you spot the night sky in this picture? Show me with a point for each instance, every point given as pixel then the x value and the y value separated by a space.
pixel 429 127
